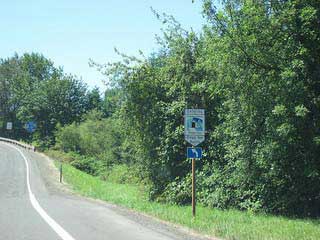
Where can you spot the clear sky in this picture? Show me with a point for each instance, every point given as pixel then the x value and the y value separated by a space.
pixel 69 32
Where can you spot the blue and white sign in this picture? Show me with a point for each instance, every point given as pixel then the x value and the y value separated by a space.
pixel 31 126
pixel 194 152
pixel 194 126
pixel 9 125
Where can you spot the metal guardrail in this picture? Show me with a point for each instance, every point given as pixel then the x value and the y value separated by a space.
pixel 24 145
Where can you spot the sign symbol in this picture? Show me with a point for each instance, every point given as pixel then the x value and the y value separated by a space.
pixel 9 125
pixel 31 126
pixel 195 152
pixel 194 126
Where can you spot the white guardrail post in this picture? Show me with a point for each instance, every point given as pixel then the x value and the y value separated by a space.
pixel 26 146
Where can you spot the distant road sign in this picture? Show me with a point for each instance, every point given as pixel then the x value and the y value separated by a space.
pixel 31 126
pixel 9 125
pixel 194 126
pixel 194 152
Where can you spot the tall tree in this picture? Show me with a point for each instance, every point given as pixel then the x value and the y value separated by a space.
pixel 33 89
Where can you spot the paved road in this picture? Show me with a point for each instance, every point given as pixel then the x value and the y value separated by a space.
pixel 34 207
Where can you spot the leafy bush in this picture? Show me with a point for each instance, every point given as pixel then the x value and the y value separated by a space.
pixel 89 165
pixel 254 69
pixel 122 174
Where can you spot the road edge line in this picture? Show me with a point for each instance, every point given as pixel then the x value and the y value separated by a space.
pixel 35 204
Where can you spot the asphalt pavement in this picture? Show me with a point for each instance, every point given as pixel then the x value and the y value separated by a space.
pixel 35 206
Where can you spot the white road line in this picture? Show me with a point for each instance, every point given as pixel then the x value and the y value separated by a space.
pixel 52 223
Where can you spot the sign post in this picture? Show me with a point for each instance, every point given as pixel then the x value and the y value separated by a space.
pixel 60 172
pixel 194 132
pixel 193 187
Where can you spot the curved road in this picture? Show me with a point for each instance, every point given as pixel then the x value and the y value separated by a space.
pixel 39 209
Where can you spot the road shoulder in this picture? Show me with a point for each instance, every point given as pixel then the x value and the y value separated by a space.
pixel 50 176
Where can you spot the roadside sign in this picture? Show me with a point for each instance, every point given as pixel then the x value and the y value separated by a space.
pixel 194 152
pixel 31 126
pixel 194 133
pixel 194 126
pixel 9 125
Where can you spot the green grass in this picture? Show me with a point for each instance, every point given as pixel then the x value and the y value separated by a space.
pixel 230 224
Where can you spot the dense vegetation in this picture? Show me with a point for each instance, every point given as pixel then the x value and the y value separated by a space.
pixel 255 68
pixel 33 89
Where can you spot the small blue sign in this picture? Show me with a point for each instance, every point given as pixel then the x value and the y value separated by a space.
pixel 194 152
pixel 195 124
pixel 31 126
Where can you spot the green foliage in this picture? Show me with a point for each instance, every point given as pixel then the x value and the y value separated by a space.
pixel 111 102
pixel 264 140
pixel 123 174
pixel 33 89
pixel 68 138
pixel 96 139
pixel 178 191
pixel 89 165
pixel 255 69
pixel 94 99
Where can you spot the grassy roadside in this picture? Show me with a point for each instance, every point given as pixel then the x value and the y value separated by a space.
pixel 229 224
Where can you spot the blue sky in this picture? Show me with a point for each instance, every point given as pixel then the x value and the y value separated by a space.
pixel 69 32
